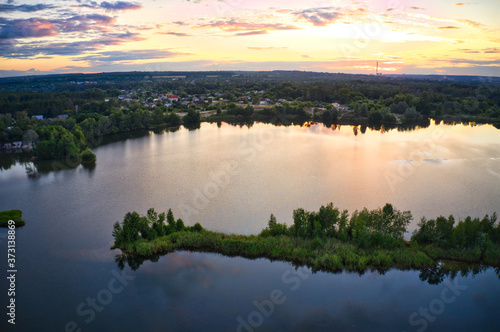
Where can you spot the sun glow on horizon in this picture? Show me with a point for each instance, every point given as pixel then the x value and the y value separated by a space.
pixel 341 36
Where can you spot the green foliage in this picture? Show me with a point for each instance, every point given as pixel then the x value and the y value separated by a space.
pixel 15 215
pixel 468 233
pixel 192 117
pixel 130 227
pixel 173 120
pixel 30 138
pixel 300 218
pixel 88 157
pixel 399 108
pixel 57 142
pixel 364 241
pixel 233 109
pixel 377 228
pixel 118 233
pixel 375 117
pixel 316 243
pixel 411 115
pixel 388 118
pixel 329 117
pixel 170 218
pixel 179 226
pixel 197 227
pixel 274 228
pixel 148 227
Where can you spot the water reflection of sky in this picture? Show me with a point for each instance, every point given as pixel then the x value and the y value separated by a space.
pixel 226 288
pixel 64 251
pixel 437 170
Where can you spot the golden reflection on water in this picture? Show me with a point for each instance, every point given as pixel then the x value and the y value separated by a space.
pixel 438 170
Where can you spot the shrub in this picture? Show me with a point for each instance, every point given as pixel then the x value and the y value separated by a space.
pixel 179 226
pixel 15 215
pixel 88 157
pixel 316 243
pixel 197 227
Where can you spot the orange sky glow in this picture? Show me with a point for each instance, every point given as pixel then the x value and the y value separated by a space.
pixel 405 37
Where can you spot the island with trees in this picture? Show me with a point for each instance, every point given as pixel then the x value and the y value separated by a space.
pixel 329 239
pixel 15 215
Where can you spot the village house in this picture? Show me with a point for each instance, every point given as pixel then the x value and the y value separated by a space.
pixel 264 101
pixel 173 98
pixel 340 107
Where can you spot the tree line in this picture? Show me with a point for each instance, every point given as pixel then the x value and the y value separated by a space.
pixel 328 239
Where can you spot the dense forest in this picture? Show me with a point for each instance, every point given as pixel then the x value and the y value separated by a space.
pixel 58 114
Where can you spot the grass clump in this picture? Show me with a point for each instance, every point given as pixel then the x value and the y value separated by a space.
pixel 15 215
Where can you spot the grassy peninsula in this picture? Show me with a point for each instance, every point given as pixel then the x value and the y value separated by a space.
pixel 329 239
pixel 15 215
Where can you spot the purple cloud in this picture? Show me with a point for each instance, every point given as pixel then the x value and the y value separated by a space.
pixel 120 5
pixel 319 16
pixel 10 49
pixel 246 28
pixel 178 34
pixel 39 27
pixel 111 6
pixel 33 27
pixel 24 8
pixel 131 55
pixel 251 33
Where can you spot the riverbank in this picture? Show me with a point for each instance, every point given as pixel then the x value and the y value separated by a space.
pixel 347 245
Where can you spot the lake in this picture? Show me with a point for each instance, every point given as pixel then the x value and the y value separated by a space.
pixel 230 179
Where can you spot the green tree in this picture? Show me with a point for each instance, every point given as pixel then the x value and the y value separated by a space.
pixel 300 217
pixel 30 138
pixel 192 117
pixel 179 226
pixel 170 218
pixel 88 157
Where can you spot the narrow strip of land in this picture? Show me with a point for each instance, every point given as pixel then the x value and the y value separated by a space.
pixel 329 239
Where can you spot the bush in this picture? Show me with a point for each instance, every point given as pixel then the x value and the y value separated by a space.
pixel 88 157
pixel 15 215
pixel 375 116
pixel 316 243
pixel 179 225
pixel 197 227
pixel 192 117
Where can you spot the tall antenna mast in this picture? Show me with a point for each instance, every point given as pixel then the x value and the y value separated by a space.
pixel 377 68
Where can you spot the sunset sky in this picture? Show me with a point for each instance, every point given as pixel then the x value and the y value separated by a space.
pixel 411 37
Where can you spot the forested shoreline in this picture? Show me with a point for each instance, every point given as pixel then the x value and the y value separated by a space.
pixel 59 117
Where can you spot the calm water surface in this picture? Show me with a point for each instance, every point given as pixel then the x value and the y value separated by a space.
pixel 231 179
